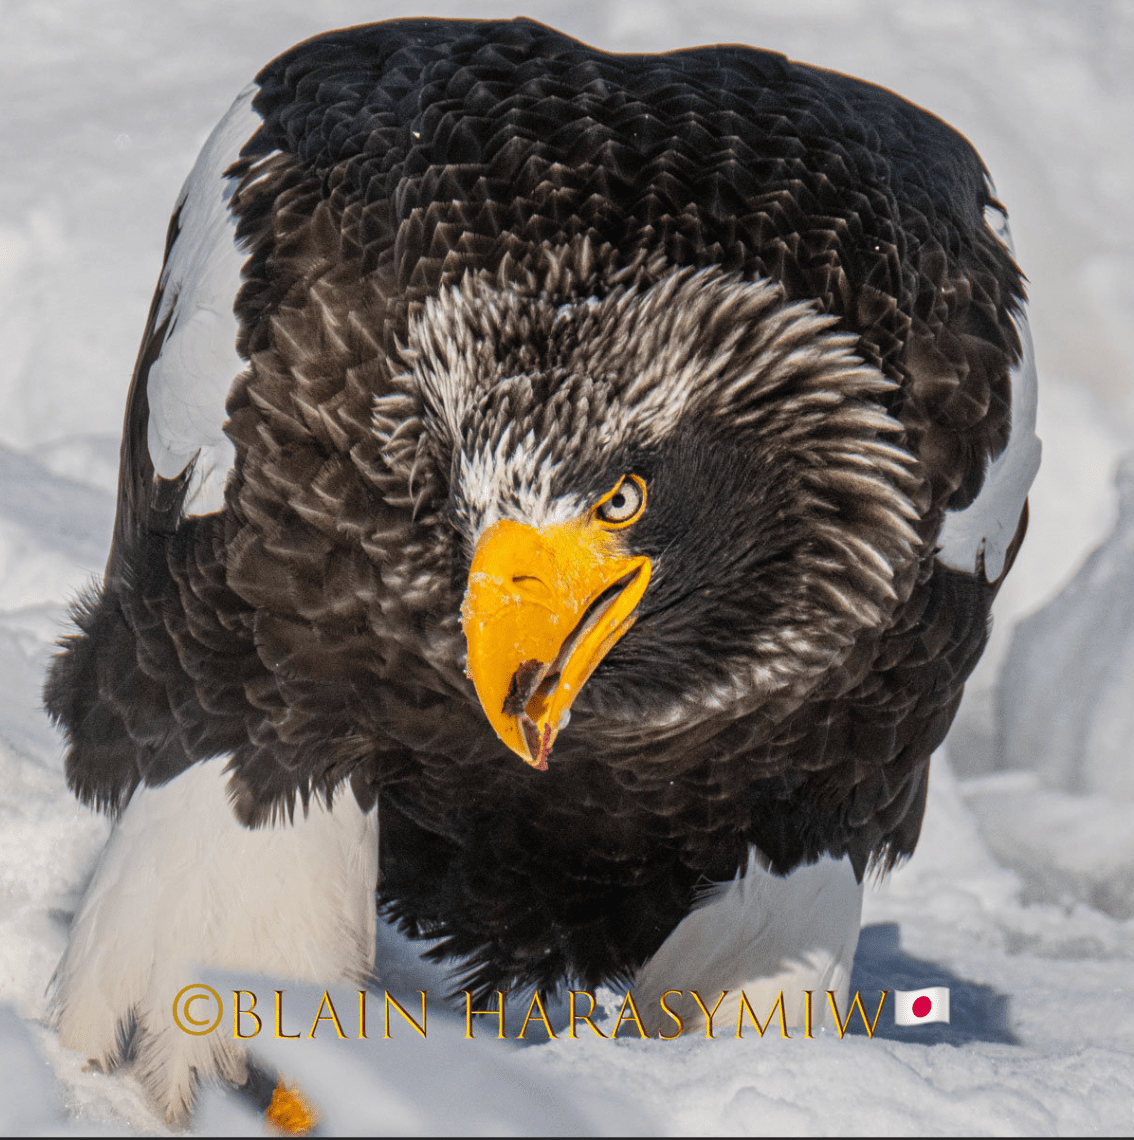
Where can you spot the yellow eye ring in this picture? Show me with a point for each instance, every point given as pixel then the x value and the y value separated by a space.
pixel 623 505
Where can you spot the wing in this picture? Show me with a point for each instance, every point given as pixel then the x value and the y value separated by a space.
pixel 112 690
pixel 984 532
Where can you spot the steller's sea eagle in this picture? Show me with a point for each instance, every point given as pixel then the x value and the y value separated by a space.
pixel 564 489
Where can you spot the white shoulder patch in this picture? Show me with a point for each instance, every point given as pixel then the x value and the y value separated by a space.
pixel 757 936
pixel 189 382
pixel 988 524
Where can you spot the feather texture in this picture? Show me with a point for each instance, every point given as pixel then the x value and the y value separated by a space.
pixel 182 886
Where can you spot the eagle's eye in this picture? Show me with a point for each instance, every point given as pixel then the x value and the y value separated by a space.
pixel 623 505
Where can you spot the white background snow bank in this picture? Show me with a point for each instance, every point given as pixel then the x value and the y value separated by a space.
pixel 1018 897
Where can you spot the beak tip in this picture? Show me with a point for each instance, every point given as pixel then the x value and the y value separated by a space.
pixel 525 665
pixel 536 742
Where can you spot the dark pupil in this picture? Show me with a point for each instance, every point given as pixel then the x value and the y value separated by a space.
pixel 619 501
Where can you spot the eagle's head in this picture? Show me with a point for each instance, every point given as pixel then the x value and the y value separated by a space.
pixel 677 495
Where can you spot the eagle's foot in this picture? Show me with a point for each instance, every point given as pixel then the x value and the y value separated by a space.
pixel 290 1112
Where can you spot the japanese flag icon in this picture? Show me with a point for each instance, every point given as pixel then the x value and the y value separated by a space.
pixel 917 1007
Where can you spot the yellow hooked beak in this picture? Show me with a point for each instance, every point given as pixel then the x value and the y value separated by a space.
pixel 543 608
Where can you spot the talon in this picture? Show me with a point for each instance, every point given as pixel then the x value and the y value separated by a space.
pixel 290 1113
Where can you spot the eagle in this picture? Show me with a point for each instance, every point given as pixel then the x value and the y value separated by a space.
pixel 561 491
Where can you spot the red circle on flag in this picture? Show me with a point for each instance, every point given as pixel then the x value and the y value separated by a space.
pixel 922 1006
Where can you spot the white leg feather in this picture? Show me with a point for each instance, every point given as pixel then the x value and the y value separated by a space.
pixel 758 935
pixel 181 885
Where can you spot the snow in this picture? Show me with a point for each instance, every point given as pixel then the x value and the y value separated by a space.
pixel 1019 897
pixel 1065 708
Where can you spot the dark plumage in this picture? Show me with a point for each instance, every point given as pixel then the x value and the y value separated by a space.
pixel 487 273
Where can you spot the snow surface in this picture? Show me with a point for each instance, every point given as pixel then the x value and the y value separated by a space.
pixel 1019 897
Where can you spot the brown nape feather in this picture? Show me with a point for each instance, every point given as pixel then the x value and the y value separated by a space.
pixel 488 272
